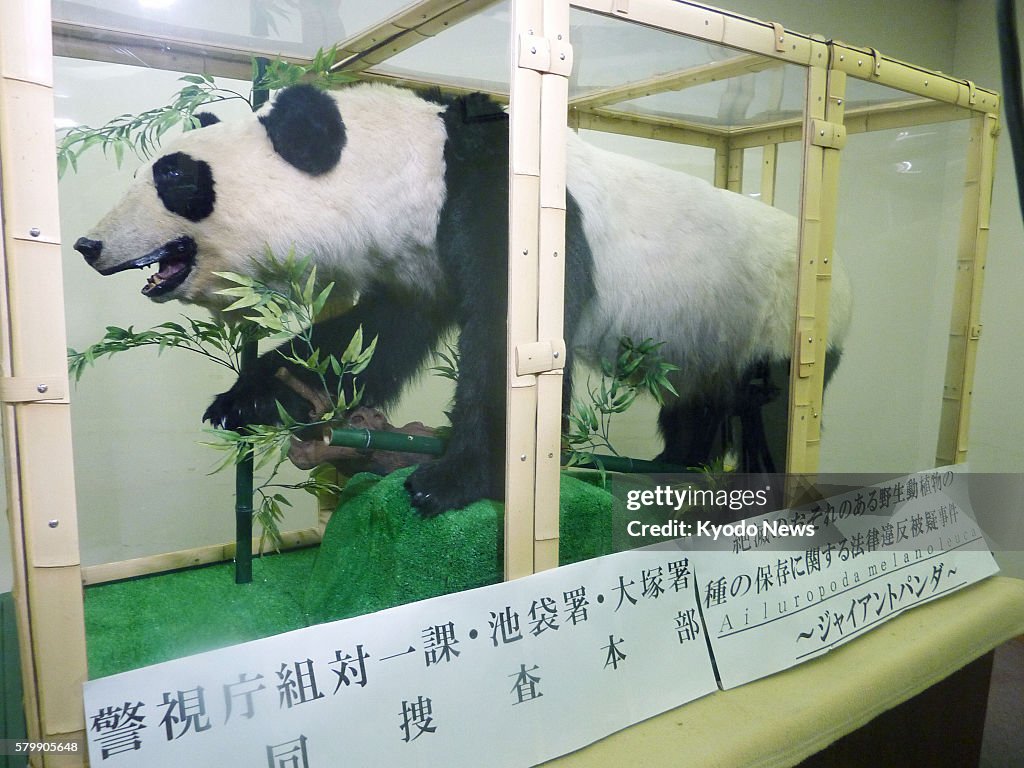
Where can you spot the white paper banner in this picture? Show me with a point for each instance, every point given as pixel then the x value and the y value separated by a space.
pixel 772 599
pixel 507 675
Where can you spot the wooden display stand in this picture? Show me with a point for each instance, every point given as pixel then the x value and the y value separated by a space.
pixel 48 577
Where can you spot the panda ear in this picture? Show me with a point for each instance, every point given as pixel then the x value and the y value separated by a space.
pixel 206 118
pixel 306 129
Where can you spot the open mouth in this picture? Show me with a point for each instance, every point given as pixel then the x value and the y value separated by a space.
pixel 174 261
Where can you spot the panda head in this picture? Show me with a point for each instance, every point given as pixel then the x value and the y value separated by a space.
pixel 197 209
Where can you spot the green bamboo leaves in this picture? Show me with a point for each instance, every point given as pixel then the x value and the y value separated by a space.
pixel 284 305
pixel 140 134
pixel 218 342
pixel 638 368
pixel 280 306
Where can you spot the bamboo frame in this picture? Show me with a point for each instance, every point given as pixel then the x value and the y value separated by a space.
pixel 538 103
pixel 702 74
pixel 37 425
pixel 965 322
pixel 644 127
pixel 769 165
pixel 46 563
pixel 190 558
pixel 403 30
pixel 946 99
pixel 734 170
pixel 818 205
pixel 595 112
pixel 551 284
pixel 97 44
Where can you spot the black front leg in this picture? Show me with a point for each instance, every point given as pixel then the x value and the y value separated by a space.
pixel 473 465
pixel 472 241
pixel 406 332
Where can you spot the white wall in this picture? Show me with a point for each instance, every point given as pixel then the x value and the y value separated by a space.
pixel 996 424
pixel 997 421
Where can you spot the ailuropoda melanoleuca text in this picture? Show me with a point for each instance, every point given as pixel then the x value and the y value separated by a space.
pixel 402 201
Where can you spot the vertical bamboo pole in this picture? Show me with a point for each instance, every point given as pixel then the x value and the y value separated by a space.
pixel 245 469
pixel 37 423
pixel 734 171
pixel 244 475
pixel 823 136
pixel 722 153
pixel 537 108
pixel 524 244
pixel 965 322
pixel 551 281
pixel 769 163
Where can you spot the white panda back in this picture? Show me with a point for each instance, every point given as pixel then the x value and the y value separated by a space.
pixel 709 272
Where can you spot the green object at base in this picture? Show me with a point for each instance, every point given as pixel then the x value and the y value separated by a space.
pixel 12 713
pixel 130 624
pixel 376 553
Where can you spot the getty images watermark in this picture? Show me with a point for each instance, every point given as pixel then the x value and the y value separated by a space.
pixel 672 499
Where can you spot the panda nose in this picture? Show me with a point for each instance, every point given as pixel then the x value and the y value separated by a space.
pixel 90 249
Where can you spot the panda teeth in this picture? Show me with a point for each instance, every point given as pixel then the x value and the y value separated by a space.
pixel 154 279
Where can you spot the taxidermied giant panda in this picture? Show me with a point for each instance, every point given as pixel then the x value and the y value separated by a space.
pixel 403 201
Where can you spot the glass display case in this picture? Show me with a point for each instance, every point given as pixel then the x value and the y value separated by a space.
pixel 885 167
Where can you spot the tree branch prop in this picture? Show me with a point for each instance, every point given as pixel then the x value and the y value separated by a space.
pixel 308 451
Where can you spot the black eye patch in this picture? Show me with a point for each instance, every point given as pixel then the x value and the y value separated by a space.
pixel 184 185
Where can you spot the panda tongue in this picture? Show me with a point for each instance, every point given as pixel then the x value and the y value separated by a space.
pixel 169 268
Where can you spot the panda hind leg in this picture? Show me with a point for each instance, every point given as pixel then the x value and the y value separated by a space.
pixel 749 420
pixel 690 430
pixel 473 464
pixel 763 413
pixel 762 405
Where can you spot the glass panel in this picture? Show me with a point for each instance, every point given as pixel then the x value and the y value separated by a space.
pixel 634 433
pixel 678 98
pixel 271 26
pixel 899 212
pixel 141 472
pixel 471 54
pixel 612 53
pixel 715 86
pixel 862 93
pixel 774 94
pixel 697 161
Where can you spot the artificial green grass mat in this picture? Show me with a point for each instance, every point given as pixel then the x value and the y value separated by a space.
pixel 130 624
pixel 12 713
pixel 376 553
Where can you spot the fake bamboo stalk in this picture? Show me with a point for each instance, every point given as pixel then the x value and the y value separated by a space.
pixel 245 469
pixel 377 440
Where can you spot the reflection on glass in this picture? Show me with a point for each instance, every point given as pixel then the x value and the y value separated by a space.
pixel 900 197
pixel 270 26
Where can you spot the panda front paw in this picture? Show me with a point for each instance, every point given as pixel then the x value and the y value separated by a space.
pixel 444 485
pixel 253 400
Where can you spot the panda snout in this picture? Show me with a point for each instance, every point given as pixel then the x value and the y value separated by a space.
pixel 90 249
